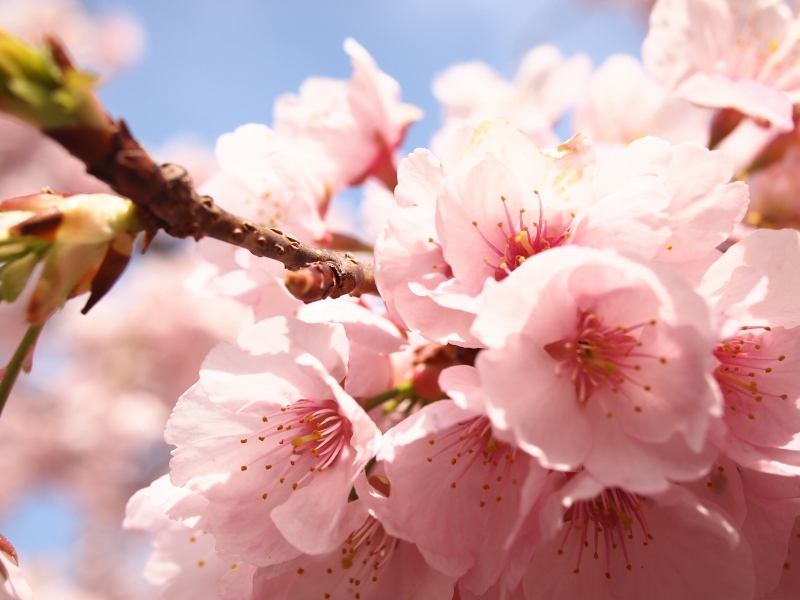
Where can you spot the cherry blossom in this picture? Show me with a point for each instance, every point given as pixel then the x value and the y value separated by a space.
pixel 579 380
pixel 612 543
pixel 260 179
pixel 624 104
pixel 264 483
pixel 235 274
pixel 83 241
pixel 14 586
pixel 183 562
pixel 601 361
pixel 498 199
pixel 546 85
pixel 728 54
pixel 369 564
pixel 753 288
pixel 359 124
pixel 372 338
pixel 457 491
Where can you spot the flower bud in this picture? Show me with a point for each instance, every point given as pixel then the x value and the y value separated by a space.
pixel 42 88
pixel 83 241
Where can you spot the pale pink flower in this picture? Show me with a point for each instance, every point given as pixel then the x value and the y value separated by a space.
pixel 359 124
pixel 368 564
pixel 376 208
pixel 728 54
pixel 272 441
pixel 458 492
pixel 546 85
pixel 601 361
pixel 607 543
pixel 183 561
pixel 271 179
pixel 255 283
pixel 624 104
pixel 372 338
pixel 497 199
pixel 261 179
pixel 753 287
pixel 12 583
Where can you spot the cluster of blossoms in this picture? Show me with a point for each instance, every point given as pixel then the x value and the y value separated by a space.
pixel 583 379
pixel 570 391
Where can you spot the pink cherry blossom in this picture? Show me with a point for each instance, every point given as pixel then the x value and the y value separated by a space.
pixel 624 104
pixel 546 85
pixel 12 583
pixel 264 432
pixel 456 491
pixel 611 543
pixel 232 273
pixel 601 361
pixel 261 179
pixel 500 199
pixel 359 124
pixel 376 208
pixel 368 564
pixel 372 337
pixel 753 288
pixel 183 562
pixel 728 54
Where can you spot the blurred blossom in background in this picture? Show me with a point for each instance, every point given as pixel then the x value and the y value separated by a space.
pixel 85 431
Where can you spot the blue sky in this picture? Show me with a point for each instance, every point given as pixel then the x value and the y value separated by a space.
pixel 212 65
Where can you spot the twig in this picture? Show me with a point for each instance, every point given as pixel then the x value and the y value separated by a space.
pixel 168 200
pixel 17 361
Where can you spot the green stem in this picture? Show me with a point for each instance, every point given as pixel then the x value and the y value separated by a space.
pixel 15 364
pixel 404 388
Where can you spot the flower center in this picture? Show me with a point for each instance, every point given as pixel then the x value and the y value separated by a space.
pixel 743 374
pixel 365 556
pixel 471 445
pixel 613 514
pixel 520 241
pixel 601 356
pixel 302 439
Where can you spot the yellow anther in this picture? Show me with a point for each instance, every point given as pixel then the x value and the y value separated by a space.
pixel 299 441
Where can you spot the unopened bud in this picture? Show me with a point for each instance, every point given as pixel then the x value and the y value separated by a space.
pixel 84 242
pixel 42 88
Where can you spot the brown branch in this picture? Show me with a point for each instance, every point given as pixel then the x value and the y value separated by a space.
pixel 168 200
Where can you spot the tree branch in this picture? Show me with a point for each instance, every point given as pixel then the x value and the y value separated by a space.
pixel 168 200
